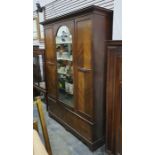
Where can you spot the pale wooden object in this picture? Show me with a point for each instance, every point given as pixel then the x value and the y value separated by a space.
pixel 38 147
pixel 43 125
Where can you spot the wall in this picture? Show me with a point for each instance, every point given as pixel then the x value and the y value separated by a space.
pixel 117 20
pixel 42 2
pixel 59 7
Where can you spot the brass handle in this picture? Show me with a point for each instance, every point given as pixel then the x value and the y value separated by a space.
pixel 82 69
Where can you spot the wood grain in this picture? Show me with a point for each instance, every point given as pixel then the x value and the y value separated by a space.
pixel 90 27
pixel 51 79
pixel 113 99
pixel 49 44
pixel 84 65
pixel 38 147
pixel 43 124
pixel 84 43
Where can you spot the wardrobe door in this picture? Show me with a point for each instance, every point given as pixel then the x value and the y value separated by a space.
pixel 50 63
pixel 64 50
pixel 84 79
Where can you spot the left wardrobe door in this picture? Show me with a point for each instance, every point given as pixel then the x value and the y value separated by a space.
pixel 64 50
pixel 50 63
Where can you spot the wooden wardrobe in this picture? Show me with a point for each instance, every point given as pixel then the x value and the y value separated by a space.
pixel 75 60
pixel 114 98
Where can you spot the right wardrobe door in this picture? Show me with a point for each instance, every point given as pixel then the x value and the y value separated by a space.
pixel 84 66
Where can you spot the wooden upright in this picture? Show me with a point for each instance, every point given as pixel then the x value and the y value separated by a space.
pixel 114 98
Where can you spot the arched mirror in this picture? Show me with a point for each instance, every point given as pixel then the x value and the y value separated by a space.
pixel 65 66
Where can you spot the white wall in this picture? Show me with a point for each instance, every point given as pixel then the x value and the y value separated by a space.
pixel 117 20
pixel 61 7
pixel 42 3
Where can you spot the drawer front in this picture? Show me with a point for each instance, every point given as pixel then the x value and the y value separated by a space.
pixel 72 120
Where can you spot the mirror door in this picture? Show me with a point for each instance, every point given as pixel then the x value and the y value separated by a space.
pixel 64 58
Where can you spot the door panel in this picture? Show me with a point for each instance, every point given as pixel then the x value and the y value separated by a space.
pixel 51 79
pixel 84 71
pixel 85 93
pixel 84 43
pixel 50 53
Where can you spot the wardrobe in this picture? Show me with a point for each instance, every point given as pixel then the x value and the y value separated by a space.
pixel 114 98
pixel 75 66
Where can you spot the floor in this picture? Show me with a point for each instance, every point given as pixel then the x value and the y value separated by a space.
pixel 62 141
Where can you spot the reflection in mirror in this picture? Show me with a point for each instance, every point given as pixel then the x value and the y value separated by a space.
pixel 65 65
pixel 38 71
pixel 41 72
pixel 35 70
pixel 63 35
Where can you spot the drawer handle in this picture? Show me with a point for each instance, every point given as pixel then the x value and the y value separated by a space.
pixel 50 63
